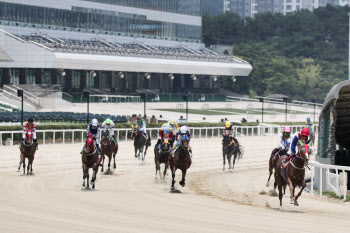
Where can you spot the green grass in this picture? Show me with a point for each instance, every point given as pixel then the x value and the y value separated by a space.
pixel 258 110
pixel 195 111
pixel 333 195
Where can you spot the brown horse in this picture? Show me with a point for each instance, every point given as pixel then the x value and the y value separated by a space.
pixel 108 148
pixel 293 174
pixel 275 155
pixel 27 150
pixel 90 159
pixel 181 160
pixel 162 156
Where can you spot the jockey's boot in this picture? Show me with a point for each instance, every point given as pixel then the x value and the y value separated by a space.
pixel 98 149
pixel 148 139
pixel 36 144
pixel 174 150
pixel 190 150
pixel 115 140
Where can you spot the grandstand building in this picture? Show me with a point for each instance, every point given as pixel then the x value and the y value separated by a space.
pixel 110 46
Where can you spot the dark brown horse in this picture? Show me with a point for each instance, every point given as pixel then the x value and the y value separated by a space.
pixel 293 174
pixel 181 160
pixel 230 148
pixel 27 150
pixel 108 148
pixel 90 159
pixel 275 155
pixel 162 156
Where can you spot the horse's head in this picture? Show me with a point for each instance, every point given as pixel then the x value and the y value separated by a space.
pixel 29 136
pixel 166 142
pixel 105 138
pixel 90 145
pixel 305 151
pixel 184 140
pixel 226 140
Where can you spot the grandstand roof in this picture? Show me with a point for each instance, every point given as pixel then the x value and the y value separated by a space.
pixel 41 51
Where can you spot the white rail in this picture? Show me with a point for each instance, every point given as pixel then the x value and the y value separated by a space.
pixel 316 165
pixel 122 133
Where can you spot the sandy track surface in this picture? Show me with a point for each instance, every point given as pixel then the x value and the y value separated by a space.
pixel 131 200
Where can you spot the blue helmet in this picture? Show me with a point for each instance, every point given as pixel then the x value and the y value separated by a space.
pixel 166 130
pixel 308 119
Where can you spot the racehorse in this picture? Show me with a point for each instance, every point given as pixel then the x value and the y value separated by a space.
pixel 162 156
pixel 108 148
pixel 275 155
pixel 181 160
pixel 229 148
pixel 293 174
pixel 89 160
pixel 27 150
pixel 140 143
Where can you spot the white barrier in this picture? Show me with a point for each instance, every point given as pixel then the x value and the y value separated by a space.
pixel 196 132
pixel 336 188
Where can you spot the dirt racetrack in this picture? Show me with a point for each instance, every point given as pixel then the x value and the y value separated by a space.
pixel 131 200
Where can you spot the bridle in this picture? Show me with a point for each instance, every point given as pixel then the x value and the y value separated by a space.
pixel 27 145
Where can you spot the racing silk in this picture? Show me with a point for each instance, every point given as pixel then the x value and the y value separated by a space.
pixel 95 132
pixel 27 127
pixel 295 143
pixel 170 134
pixel 141 125
pixel 175 127
pixel 111 127
pixel 283 141
pixel 229 132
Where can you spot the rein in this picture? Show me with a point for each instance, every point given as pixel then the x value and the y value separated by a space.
pixel 303 168
pixel 92 152
pixel 27 145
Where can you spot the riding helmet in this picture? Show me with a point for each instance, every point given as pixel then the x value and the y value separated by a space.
pixel 227 124
pixel 30 120
pixel 305 131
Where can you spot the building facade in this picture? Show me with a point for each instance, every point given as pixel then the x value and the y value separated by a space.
pixel 119 46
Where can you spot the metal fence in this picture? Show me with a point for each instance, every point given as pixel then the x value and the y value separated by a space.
pixel 77 135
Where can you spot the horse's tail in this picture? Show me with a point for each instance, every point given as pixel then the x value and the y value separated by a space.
pixel 240 152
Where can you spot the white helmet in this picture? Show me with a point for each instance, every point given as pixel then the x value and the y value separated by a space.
pixel 94 122
pixel 184 129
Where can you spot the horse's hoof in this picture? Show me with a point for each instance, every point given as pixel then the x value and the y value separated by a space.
pixel 231 170
pixel 296 203
pixel 267 184
pixel 281 208
pixel 102 170
pixel 172 188
pixel 182 183
pixel 115 166
pixel 292 202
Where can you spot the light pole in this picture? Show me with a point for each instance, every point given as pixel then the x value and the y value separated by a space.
pixel 349 49
pixel 20 94
pixel 87 95
pixel 286 99
pixel 262 109
pixel 314 111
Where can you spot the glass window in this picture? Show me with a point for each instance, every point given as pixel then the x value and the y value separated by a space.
pixel 14 76
pixel 31 76
pixel 289 7
pixel 76 79
pixel 297 7
pixel 1 77
pixel 288 1
pixel 98 20
pixel 90 80
pixel 104 80
pixel 298 1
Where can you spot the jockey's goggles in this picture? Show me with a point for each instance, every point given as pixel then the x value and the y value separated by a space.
pixel 94 127
pixel 304 136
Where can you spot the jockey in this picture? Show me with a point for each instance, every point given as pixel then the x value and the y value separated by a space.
pixel 27 126
pixel 141 125
pixel 309 124
pixel 93 129
pixel 229 131
pixel 303 136
pixel 173 124
pixel 284 139
pixel 109 125
pixel 182 131
pixel 165 129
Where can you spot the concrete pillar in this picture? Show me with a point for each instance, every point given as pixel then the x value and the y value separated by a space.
pixel 7 76
pixel 161 82
pixel 83 76
pixel 69 77
pixel 56 74
pixel 113 74
pixel 135 82
pixel 182 81
pixel 23 76
pixel 97 79
pixel 39 76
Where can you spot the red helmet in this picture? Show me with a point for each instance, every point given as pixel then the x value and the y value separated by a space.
pixel 305 131
pixel 89 141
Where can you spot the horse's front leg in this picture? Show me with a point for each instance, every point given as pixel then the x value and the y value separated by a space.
pixel 270 171
pixel 136 152
pixel 84 174
pixel 303 185
pixel 165 169
pixel 229 158
pixel 291 189
pixel 157 168
pixel 224 161
pixel 109 161
pixel 24 165
pixel 234 159
pixel 94 174
pixel 21 158
pixel 114 154
pixel 102 162
pixel 173 171
pixel 182 182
